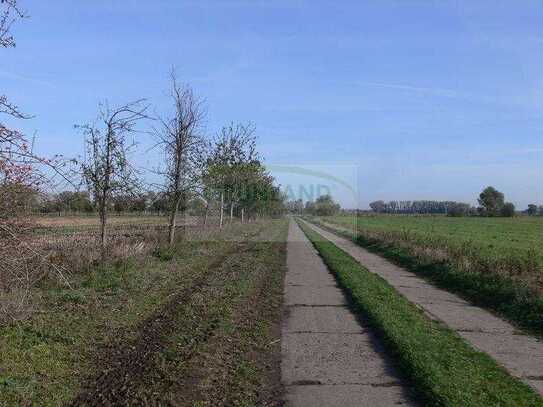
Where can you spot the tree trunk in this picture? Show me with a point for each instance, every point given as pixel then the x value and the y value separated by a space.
pixel 242 215
pixel 207 212
pixel 222 210
pixel 172 223
pixel 103 232
pixel 171 228
pixel 231 211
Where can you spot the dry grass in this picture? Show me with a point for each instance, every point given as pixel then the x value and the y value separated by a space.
pixel 59 248
pixel 33 253
pixel 93 220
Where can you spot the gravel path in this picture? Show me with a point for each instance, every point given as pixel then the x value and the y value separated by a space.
pixel 520 354
pixel 329 357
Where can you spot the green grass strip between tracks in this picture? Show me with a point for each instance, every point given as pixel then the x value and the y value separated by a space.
pixel 443 368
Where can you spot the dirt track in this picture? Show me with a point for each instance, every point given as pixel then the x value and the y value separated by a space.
pixel 129 363
pixel 216 341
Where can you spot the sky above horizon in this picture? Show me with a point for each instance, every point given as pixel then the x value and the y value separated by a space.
pixel 401 100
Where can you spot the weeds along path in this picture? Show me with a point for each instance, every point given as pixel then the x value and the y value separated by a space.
pixel 245 348
pixel 159 366
pixel 520 354
pixel 329 357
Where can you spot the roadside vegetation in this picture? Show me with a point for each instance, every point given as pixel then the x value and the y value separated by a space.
pixel 176 303
pixel 164 327
pixel 196 179
pixel 443 368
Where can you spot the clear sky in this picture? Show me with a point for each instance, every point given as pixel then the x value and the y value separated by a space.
pixel 425 99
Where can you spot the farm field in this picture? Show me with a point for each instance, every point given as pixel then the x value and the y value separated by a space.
pixel 93 220
pixel 496 263
pixel 495 236
pixel 392 299
pixel 140 328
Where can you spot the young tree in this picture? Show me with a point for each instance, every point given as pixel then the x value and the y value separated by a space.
pixel 232 153
pixel 457 209
pixel 258 194
pixel 106 168
pixel 181 140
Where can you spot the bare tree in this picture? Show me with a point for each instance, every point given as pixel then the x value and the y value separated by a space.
pixel 11 141
pixel 9 13
pixel 16 157
pixel 181 140
pixel 106 168
pixel 23 174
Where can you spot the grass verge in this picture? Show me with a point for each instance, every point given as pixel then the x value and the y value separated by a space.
pixel 508 297
pixel 443 368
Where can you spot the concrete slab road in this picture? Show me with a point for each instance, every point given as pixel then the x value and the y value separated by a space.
pixel 329 357
pixel 518 353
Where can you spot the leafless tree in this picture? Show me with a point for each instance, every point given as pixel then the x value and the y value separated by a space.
pixel 106 168
pixel 11 141
pixel 9 13
pixel 16 157
pixel 180 138
pixel 23 174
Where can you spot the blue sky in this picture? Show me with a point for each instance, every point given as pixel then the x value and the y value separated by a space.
pixel 425 99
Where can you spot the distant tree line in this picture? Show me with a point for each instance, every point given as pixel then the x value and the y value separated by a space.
pixel 324 205
pixel 81 202
pixel 491 203
pixel 422 207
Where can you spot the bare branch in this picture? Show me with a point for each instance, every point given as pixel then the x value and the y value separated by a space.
pixel 106 167
pixel 181 141
pixel 9 13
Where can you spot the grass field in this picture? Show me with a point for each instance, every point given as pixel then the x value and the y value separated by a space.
pixel 493 262
pixel 499 237
pixel 445 370
pixel 163 326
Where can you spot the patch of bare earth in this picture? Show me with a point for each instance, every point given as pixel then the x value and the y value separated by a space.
pixel 240 364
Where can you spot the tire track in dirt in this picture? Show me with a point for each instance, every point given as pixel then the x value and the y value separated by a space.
pixel 212 380
pixel 118 383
